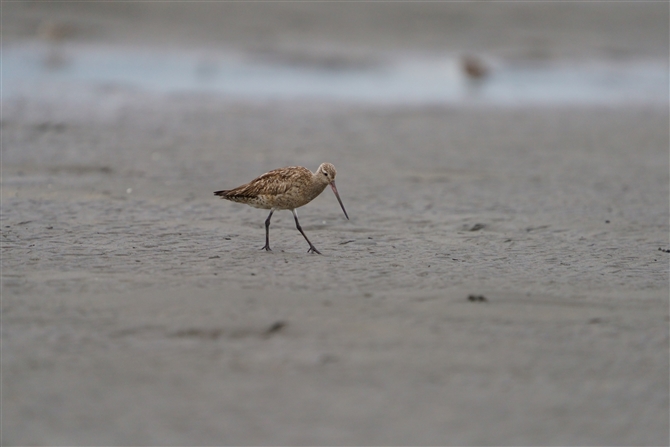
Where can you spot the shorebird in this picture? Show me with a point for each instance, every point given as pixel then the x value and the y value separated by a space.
pixel 285 189
pixel 474 67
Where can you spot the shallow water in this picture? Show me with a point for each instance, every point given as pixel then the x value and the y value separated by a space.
pixel 33 69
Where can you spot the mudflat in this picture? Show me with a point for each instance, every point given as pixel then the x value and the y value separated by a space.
pixel 503 278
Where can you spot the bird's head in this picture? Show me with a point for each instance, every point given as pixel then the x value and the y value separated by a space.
pixel 326 173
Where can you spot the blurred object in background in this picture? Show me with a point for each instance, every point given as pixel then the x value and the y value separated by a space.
pixel 54 33
pixel 476 71
pixel 474 67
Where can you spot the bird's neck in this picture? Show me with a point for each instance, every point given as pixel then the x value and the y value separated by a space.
pixel 316 187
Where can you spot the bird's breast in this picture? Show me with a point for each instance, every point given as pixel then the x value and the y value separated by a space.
pixel 294 197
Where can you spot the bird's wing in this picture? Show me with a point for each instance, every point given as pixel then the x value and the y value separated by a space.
pixel 275 182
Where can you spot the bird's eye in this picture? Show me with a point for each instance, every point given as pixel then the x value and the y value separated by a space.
pixel 326 174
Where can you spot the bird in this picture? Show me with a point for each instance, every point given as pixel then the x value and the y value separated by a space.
pixel 285 188
pixel 474 67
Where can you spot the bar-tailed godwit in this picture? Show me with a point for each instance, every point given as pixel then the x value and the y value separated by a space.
pixel 285 189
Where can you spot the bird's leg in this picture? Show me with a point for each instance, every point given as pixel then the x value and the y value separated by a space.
pixel 312 248
pixel 267 232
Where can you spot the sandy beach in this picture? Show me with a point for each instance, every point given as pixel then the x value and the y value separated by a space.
pixel 139 309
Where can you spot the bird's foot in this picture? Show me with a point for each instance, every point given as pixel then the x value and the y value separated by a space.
pixel 312 249
pixel 266 248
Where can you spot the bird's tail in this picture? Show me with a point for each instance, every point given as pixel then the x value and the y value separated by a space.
pixel 232 195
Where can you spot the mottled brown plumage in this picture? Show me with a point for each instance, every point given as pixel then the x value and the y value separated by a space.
pixel 285 189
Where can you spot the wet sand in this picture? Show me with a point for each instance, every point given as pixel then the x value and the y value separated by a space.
pixel 138 309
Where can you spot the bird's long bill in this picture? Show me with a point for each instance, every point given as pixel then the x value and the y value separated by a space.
pixel 332 185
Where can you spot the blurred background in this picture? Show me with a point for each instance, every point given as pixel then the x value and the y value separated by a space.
pixel 511 53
